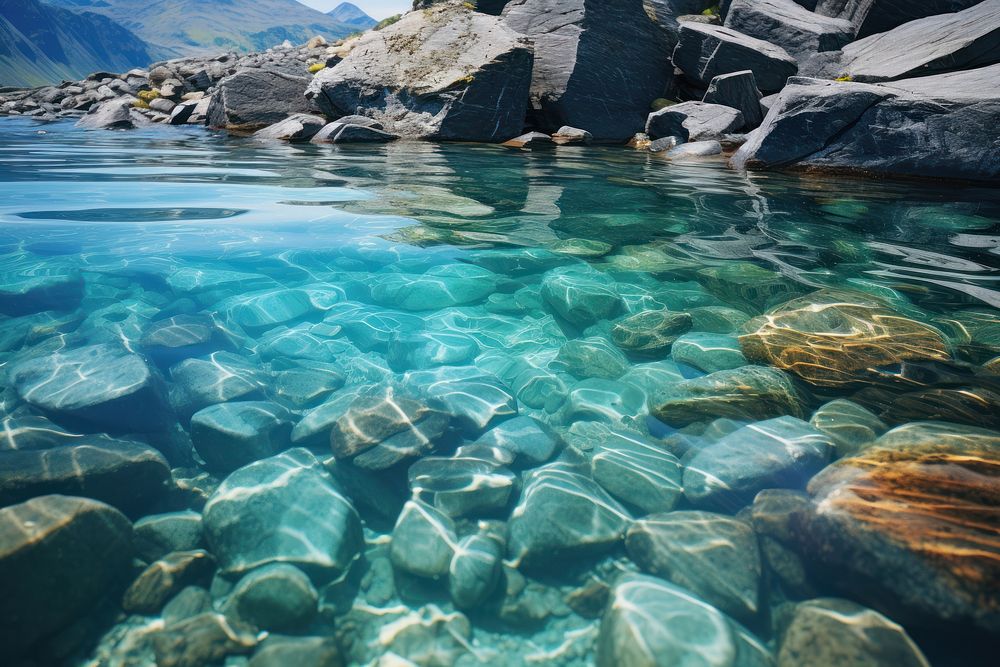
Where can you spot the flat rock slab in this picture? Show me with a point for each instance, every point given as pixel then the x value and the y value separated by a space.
pixel 297 128
pixel 694 121
pixel 789 25
pixel 706 51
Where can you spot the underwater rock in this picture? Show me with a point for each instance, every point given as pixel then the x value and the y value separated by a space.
pixel 100 386
pixel 257 312
pixel 718 319
pixel 749 287
pixel 429 349
pixel 179 337
pixel 27 292
pixel 126 475
pixel 475 571
pixel 218 378
pixel 583 248
pixel 157 535
pixel 438 287
pixel 784 452
pixel 650 622
pixel 25 432
pixel 832 631
pixel 635 470
pixel 848 424
pixel 426 636
pixel 592 357
pixel 831 338
pixel 423 541
pixel 277 597
pixel 535 385
pixel 748 393
pixel 708 352
pixel 278 651
pixel 200 640
pixel 165 578
pixel 615 403
pixel 712 555
pixel 580 297
pixel 474 399
pixel 45 543
pixel 384 428
pixel 265 513
pixel 230 435
pixel 300 388
pixel 461 486
pixel 563 515
pixel 649 333
pixel 907 508
pixel 191 601
pixel 530 442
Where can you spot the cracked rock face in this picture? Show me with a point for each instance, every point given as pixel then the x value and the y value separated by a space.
pixel 442 73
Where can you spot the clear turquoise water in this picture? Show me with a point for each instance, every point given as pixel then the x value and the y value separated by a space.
pixel 358 225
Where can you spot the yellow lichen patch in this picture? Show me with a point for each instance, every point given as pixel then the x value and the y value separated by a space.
pixel 317 67
pixel 843 79
pixel 140 104
pixel 831 339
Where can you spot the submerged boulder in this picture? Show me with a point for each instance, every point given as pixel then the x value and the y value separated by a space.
pixel 442 73
pixel 598 64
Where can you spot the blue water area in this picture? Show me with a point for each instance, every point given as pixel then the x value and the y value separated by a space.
pixel 446 404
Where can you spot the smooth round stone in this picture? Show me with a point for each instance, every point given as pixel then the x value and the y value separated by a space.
pixel 708 352
pixel 191 601
pixel 718 319
pixel 128 476
pixel 475 399
pixel 99 385
pixel 652 623
pixel 165 578
pixel 905 509
pixel 274 597
pixel 831 631
pixel 651 376
pixel 747 286
pixel 530 441
pixel 205 639
pixel 592 357
pixel 423 541
pixel 160 534
pixel 748 393
pixel 306 342
pixel 517 262
pixel 306 387
pixel 535 385
pixel 179 337
pixel 604 400
pixel 651 332
pixel 218 378
pixel 266 512
pixel 849 425
pixel 59 556
pixel 583 248
pixel 636 471
pixel 475 571
pixel 832 338
pixel 438 287
pixel 382 429
pixel 277 651
pixel 784 452
pixel 260 311
pixel 191 280
pixel 371 327
pixel 580 297
pixel 230 435
pixel 561 516
pixel 712 555
pixel 524 301
pixel 428 349
pixel 460 486
pixel 314 427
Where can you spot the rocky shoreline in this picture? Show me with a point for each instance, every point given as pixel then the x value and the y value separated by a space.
pixel 817 85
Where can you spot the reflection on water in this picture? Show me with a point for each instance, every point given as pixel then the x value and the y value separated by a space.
pixel 479 384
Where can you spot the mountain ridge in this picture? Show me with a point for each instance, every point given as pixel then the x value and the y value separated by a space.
pixel 352 15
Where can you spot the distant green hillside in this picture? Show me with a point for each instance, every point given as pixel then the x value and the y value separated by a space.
pixel 42 44
pixel 187 27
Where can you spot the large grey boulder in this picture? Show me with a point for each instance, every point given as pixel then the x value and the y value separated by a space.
pixel 937 126
pixel 694 121
pixel 739 91
pixel 116 114
pixel 440 73
pixel 874 16
pixel 932 45
pixel 255 98
pixel 297 128
pixel 789 25
pixel 706 51
pixel 598 64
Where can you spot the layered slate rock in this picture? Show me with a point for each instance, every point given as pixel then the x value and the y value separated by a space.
pixel 423 541
pixel 784 452
pixel 789 25
pixel 255 98
pixel 230 435
pixel 925 126
pixel 706 51
pixel 574 82
pixel 563 515
pixel 296 128
pixel 832 338
pixel 750 392
pixel 918 505
pixel 635 470
pixel 97 386
pixel 739 91
pixel 694 121
pixel 649 621
pixel 832 631
pixel 285 509
pixel 712 555
pixel 443 73
pixel 129 476
pixel 932 45
pixel 45 545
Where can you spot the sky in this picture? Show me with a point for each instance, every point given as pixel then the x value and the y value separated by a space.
pixel 378 9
